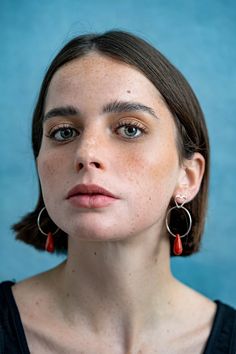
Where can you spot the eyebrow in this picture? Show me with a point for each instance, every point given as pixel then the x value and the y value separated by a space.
pixel 62 112
pixel 123 106
pixel 112 107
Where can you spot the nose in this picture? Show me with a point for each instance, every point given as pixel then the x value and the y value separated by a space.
pixel 90 153
pixel 88 164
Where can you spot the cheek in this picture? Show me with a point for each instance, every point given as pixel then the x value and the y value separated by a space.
pixel 50 168
pixel 152 178
pixel 155 167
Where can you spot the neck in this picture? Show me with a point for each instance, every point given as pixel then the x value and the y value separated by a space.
pixel 126 281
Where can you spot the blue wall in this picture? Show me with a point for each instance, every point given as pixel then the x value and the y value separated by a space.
pixel 198 37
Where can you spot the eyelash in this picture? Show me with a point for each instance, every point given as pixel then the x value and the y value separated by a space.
pixel 133 124
pixel 126 124
pixel 61 128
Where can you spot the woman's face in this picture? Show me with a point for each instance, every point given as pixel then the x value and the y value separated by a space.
pixel 107 125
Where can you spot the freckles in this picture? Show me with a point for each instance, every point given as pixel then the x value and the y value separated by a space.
pixel 133 167
pixel 165 162
pixel 157 168
pixel 50 167
pixel 163 177
pixel 46 168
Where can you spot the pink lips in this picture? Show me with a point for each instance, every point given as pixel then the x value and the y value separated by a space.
pixel 90 196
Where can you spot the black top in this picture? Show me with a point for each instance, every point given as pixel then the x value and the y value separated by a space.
pixel 222 339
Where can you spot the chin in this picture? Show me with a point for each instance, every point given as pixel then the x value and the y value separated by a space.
pixel 100 232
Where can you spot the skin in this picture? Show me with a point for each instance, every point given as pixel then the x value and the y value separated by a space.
pixel 116 287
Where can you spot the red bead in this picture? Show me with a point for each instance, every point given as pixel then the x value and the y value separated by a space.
pixel 178 247
pixel 49 246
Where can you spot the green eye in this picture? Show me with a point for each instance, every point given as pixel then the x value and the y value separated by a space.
pixel 63 134
pixel 130 131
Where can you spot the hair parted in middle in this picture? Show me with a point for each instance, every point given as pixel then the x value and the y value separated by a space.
pixel 192 133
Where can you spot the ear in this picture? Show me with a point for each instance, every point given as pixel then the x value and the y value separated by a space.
pixel 190 177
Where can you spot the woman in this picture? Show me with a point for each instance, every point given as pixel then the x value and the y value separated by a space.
pixel 122 155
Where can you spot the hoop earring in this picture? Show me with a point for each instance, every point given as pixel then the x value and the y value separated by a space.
pixel 49 245
pixel 178 247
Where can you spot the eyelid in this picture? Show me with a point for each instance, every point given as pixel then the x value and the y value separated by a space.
pixel 58 126
pixel 54 130
pixel 124 123
pixel 132 122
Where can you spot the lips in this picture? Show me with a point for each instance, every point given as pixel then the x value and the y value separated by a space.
pixel 90 196
pixel 89 189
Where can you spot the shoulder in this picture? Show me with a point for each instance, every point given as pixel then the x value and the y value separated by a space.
pixel 29 292
pixel 213 322
pixel 223 335
pixel 35 299
pixel 17 308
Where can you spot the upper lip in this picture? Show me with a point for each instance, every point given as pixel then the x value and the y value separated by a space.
pixel 89 189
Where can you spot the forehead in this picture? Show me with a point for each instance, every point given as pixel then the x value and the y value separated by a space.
pixel 97 65
pixel 100 75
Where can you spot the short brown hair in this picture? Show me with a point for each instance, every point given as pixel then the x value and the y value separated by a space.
pixel 179 97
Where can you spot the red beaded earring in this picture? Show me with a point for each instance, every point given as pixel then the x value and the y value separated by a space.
pixel 49 245
pixel 178 247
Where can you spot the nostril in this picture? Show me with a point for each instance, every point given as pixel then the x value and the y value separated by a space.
pixel 97 164
pixel 92 164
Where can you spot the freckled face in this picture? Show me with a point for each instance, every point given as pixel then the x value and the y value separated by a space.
pixel 130 152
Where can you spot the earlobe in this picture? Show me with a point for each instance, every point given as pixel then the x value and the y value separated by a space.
pixel 191 175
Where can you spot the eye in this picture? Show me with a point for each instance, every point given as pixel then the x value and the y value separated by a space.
pixel 63 134
pixel 130 130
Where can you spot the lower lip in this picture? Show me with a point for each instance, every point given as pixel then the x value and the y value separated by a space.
pixel 91 201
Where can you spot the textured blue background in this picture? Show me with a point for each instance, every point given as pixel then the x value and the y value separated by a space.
pixel 198 37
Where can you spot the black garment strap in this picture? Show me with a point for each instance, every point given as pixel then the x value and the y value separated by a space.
pixel 233 340
pixel 2 341
pixel 222 339
pixel 5 287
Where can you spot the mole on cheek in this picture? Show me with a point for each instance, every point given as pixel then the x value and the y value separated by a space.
pixel 128 91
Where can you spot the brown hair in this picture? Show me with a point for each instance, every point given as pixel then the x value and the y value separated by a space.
pixel 178 95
